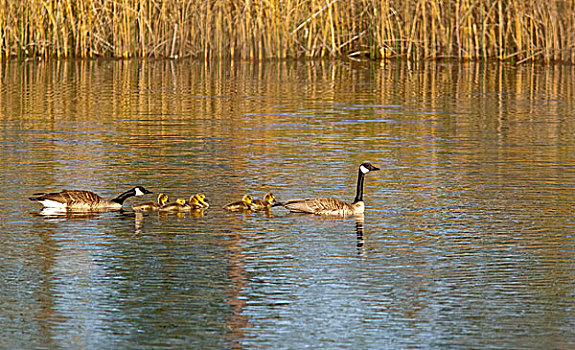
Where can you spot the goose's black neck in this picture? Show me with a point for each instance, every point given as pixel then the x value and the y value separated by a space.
pixel 359 191
pixel 121 198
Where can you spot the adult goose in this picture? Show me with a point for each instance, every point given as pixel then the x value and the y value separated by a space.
pixel 78 200
pixel 332 206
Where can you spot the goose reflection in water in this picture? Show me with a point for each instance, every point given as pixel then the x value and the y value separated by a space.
pixel 336 219
pixel 359 219
pixel 56 214
pixel 140 218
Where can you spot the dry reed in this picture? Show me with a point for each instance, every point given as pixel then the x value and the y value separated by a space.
pixel 260 29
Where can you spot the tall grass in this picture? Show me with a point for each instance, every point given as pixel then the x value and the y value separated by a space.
pixel 520 30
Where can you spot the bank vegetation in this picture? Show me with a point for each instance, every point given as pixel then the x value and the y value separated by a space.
pixel 519 30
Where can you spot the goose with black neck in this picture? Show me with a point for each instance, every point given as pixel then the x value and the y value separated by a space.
pixel 329 205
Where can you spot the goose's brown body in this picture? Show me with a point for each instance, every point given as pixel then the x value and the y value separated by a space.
pixel 79 200
pixel 324 206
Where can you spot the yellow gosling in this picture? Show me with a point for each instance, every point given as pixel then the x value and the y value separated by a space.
pixel 243 205
pixel 264 204
pixel 194 203
pixel 201 198
pixel 151 206
pixel 177 206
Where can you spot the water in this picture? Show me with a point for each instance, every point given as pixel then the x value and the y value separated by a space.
pixel 467 240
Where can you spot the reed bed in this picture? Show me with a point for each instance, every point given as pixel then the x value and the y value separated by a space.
pixel 519 30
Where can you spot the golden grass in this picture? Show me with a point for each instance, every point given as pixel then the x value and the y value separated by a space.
pixel 520 30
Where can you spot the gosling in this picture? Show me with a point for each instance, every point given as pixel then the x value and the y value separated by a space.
pixel 244 205
pixel 265 204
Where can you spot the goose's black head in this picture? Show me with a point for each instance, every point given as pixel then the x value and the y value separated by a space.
pixel 367 167
pixel 140 191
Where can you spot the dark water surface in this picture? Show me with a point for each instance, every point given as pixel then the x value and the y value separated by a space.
pixel 468 240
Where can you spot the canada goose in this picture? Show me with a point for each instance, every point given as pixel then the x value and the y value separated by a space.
pixel 244 204
pixel 150 206
pixel 202 201
pixel 177 206
pixel 77 200
pixel 264 204
pixel 332 206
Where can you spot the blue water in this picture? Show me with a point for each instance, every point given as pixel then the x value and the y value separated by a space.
pixel 467 240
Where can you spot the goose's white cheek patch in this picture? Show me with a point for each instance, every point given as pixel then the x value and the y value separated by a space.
pixel 364 169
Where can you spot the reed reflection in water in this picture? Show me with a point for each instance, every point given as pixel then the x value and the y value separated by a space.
pixel 466 240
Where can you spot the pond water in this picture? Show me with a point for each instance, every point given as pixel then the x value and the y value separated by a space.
pixel 468 238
